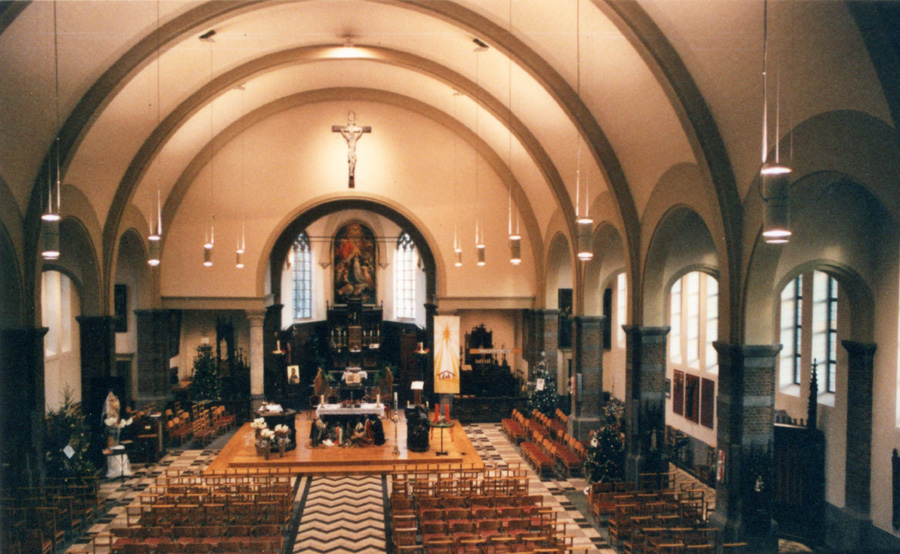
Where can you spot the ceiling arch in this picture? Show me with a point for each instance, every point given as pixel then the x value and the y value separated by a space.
pixel 175 198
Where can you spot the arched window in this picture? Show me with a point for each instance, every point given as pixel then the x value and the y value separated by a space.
pixel 693 361
pixel 302 278
pixel 405 278
pixel 818 335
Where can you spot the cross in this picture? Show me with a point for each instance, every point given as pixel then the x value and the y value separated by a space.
pixel 351 133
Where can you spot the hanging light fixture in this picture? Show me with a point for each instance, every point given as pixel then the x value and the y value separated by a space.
pixel 239 252
pixel 154 241
pixel 584 223
pixel 515 238
pixel 211 230
pixel 50 218
pixel 479 226
pixel 457 245
pixel 774 179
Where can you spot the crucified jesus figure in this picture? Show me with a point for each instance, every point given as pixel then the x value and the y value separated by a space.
pixel 351 133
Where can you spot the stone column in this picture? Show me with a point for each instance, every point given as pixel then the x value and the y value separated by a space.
pixel 534 336
pixel 152 355
pixel 645 399
pixel 587 340
pixel 98 355
pixel 257 350
pixel 22 405
pixel 850 530
pixel 550 339
pixel 745 412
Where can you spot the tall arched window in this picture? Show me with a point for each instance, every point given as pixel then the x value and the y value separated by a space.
pixel 693 362
pixel 818 335
pixel 405 278
pixel 302 278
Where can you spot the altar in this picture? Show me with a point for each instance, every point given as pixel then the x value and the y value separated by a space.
pixel 339 411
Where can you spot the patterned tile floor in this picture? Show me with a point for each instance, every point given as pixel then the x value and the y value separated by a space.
pixel 493 447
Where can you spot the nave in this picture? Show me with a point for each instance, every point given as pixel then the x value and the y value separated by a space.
pixel 488 440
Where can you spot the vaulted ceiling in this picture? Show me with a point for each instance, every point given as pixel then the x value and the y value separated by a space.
pixel 629 92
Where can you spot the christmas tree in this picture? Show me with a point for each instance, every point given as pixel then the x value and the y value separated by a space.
pixel 605 461
pixel 66 427
pixel 542 389
pixel 205 384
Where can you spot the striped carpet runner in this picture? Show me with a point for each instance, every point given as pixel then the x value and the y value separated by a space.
pixel 342 514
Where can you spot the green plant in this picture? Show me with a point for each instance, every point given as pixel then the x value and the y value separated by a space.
pixel 205 384
pixel 66 427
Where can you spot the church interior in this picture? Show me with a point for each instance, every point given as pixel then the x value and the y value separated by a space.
pixel 657 233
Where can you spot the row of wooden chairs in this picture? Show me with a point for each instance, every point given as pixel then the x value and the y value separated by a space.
pixel 41 518
pixel 550 448
pixel 213 538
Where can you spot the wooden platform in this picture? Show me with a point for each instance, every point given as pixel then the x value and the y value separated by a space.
pixel 240 453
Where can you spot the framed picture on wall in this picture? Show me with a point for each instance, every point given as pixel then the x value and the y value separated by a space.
pixel 692 398
pixel 707 402
pixel 678 393
pixel 120 305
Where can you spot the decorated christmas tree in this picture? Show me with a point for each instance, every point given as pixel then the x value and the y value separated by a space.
pixel 68 441
pixel 605 460
pixel 205 384
pixel 542 389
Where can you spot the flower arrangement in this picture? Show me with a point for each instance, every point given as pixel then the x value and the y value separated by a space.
pixel 115 425
pixel 281 434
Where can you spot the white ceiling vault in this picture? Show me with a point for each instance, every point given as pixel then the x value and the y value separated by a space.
pixel 647 87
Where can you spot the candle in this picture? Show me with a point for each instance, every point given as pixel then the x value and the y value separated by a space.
pixel 322 399
pixel 395 400
pixel 378 398
pixel 437 411
pixel 447 410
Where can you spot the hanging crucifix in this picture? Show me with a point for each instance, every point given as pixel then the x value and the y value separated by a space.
pixel 351 133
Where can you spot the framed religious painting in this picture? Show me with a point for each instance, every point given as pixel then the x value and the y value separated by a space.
pixel 355 261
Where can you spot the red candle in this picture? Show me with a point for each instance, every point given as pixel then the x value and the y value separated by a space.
pixel 437 410
pixel 447 411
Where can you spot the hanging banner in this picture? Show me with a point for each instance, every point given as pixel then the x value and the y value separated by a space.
pixel 446 354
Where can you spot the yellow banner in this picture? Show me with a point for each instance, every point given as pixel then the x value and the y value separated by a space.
pixel 446 354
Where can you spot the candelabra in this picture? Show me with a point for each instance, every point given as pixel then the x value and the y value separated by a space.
pixel 396 420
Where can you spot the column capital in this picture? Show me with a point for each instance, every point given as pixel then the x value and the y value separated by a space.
pixel 859 348
pixel 255 317
pixel 590 319
pixel 747 350
pixel 645 331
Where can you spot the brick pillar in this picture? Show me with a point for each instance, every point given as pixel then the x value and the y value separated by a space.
pixel 22 407
pixel 860 361
pixel 850 527
pixel 98 355
pixel 550 340
pixel 745 412
pixel 534 336
pixel 153 355
pixel 587 340
pixel 645 397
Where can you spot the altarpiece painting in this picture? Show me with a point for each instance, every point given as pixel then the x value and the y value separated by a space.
pixel 354 264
